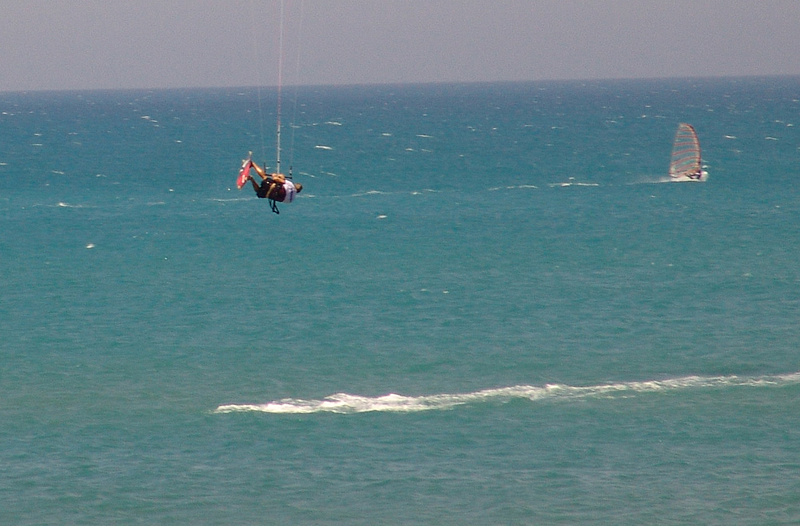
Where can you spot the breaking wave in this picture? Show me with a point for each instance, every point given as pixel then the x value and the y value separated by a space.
pixel 343 403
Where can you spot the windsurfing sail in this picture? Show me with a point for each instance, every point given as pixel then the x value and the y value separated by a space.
pixel 686 163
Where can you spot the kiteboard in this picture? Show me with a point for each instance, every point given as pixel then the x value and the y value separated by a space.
pixel 244 173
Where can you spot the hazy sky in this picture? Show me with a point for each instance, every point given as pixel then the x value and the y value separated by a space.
pixel 89 44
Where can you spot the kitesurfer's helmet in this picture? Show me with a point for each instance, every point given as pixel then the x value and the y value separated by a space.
pixel 298 187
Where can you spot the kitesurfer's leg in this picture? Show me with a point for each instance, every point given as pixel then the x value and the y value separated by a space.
pixel 255 185
pixel 271 191
pixel 260 171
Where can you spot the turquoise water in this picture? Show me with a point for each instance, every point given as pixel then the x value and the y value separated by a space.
pixel 486 307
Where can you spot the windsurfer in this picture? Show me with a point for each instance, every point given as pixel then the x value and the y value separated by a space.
pixel 274 186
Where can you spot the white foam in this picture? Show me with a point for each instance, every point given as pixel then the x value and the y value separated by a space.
pixel 370 192
pixel 344 403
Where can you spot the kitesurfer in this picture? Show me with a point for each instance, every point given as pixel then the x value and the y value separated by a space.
pixel 274 186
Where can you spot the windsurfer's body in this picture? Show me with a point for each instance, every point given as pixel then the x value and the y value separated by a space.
pixel 274 186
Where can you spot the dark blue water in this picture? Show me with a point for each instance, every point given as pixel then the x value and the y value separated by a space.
pixel 486 307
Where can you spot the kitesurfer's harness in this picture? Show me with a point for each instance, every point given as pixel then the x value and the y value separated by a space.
pixel 273 204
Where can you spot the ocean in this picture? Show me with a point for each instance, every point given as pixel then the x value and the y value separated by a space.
pixel 487 306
